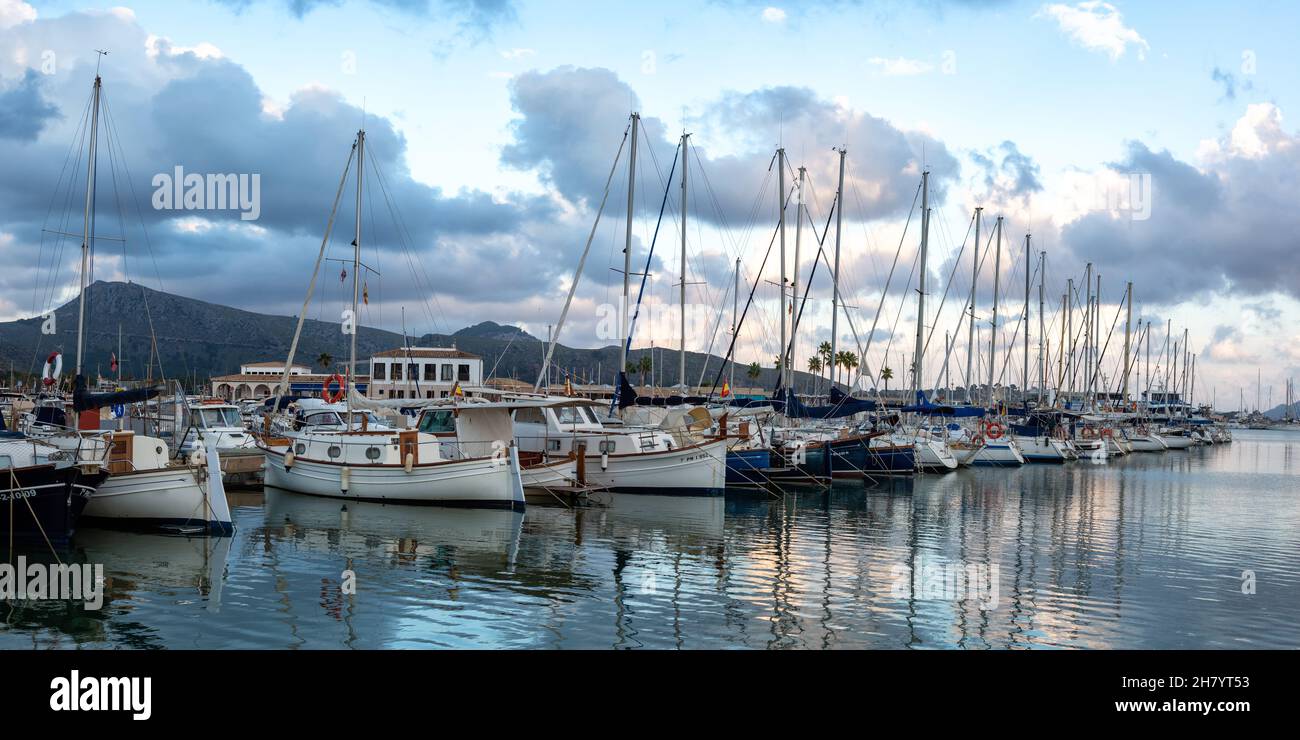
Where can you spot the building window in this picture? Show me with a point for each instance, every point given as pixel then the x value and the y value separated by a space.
pixel 446 373
pixel 401 394
pixel 413 371
pixel 430 371
pixel 443 394
pixel 379 371
pixel 428 394
pixel 397 371
pixel 463 374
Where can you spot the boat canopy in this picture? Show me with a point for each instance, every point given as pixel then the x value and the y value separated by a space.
pixel 923 406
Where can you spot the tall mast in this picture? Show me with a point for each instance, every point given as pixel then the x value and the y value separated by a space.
pixel 918 356
pixel 1146 371
pixel 356 266
pixel 682 355
pixel 794 285
pixel 1183 388
pixel 835 275
pixel 1024 391
pixel 1096 341
pixel 627 244
pixel 993 324
pixel 970 330
pixel 1067 346
pixel 1042 327
pixel 1128 328
pixel 1087 338
pixel 87 235
pixel 780 205
pixel 735 322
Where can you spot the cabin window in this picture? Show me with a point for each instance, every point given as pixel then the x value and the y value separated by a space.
pixel 446 372
pixel 438 422
pixel 607 446
pixel 378 370
pixel 334 451
pixel 299 448
pixel 553 445
pixel 529 416
pixel 462 373
pixel 571 415
pixel 430 371
pixel 397 371
pixel 373 453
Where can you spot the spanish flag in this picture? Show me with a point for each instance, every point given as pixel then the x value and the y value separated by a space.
pixel 726 389
pixel 568 387
pixel 456 391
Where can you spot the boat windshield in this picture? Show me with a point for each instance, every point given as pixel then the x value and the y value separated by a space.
pixel 574 415
pixel 208 418
pixel 437 422
pixel 322 419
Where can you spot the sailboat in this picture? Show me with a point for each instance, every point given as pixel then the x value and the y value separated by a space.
pixel 144 488
pixel 384 465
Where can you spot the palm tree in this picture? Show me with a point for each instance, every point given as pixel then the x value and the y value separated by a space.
pixel 815 367
pixel 886 375
pixel 325 360
pixel 645 365
pixel 632 368
pixel 753 371
pixel 824 349
pixel 847 360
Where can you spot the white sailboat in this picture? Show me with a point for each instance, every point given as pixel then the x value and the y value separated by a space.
pixel 385 465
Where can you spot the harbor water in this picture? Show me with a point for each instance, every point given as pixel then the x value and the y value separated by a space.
pixel 1183 549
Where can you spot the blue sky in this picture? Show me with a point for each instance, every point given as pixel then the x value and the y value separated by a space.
pixel 1199 97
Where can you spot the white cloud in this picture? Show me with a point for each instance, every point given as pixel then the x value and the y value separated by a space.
pixel 1258 133
pixel 773 15
pixel 155 45
pixel 513 54
pixel 13 12
pixel 900 66
pixel 1097 26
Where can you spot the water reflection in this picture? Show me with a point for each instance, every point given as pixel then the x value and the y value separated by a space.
pixel 1146 551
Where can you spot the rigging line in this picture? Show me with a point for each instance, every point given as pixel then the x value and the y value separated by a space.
pixel 631 329
pixel 947 355
pixel 73 145
pixel 885 291
pixel 749 301
pixel 126 169
pixel 79 140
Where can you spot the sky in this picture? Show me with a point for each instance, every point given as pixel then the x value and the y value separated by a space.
pixel 1157 147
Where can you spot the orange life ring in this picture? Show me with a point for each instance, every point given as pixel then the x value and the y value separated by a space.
pixel 1108 433
pixel 335 396
pixel 994 430
pixel 53 368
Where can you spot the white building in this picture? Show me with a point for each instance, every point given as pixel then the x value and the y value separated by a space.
pixel 424 372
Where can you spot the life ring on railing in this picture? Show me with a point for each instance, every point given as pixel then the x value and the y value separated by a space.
pixel 1088 433
pixel 1108 433
pixel 53 368
pixel 335 381
pixel 994 430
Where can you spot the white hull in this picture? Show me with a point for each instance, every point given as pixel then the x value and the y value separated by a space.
pixel 482 482
pixel 551 475
pixel 1147 443
pixel 174 497
pixel 933 455
pixel 995 453
pixel 697 470
pixel 1043 449
pixel 1175 441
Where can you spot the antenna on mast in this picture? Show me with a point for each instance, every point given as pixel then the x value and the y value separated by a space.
pixel 102 53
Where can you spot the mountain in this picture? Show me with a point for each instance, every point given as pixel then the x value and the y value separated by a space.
pixel 197 340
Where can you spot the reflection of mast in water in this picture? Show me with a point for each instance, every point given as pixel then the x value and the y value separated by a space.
pixel 781 582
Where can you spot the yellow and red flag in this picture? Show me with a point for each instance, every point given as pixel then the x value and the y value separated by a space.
pixel 726 389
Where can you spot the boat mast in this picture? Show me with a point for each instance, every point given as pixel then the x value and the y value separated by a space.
pixel 87 235
pixel 1096 343
pixel 356 266
pixel 918 355
pixel 993 324
pixel 1042 327
pixel 682 354
pixel 835 274
pixel 1068 339
pixel 627 244
pixel 970 330
pixel 1024 391
pixel 780 205
pixel 794 285
pixel 735 321
pixel 1128 328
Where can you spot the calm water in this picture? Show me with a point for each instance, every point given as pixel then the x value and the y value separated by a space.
pixel 1145 552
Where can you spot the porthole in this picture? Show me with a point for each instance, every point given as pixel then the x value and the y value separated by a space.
pixel 299 448
pixel 373 453
pixel 334 451
pixel 607 446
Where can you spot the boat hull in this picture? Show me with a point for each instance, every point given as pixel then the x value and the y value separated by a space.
pixel 478 482
pixel 170 499
pixel 1042 449
pixel 744 467
pixel 43 503
pixel 695 470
